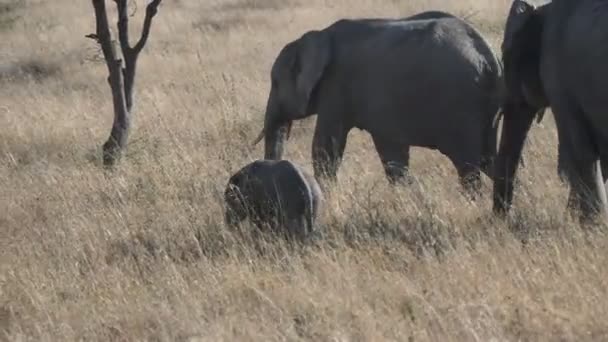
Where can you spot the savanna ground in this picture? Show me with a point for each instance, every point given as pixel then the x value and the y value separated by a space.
pixel 142 253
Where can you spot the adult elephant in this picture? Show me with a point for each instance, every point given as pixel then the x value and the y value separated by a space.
pixel 428 80
pixel 555 56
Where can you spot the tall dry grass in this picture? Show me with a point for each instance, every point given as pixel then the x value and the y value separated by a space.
pixel 142 253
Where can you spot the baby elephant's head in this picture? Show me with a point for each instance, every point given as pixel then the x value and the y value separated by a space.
pixel 236 209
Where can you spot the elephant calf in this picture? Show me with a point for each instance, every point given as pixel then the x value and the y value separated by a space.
pixel 274 193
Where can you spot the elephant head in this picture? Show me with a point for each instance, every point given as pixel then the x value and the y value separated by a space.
pixel 295 76
pixel 524 96
pixel 236 207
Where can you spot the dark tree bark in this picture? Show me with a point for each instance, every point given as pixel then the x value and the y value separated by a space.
pixel 121 78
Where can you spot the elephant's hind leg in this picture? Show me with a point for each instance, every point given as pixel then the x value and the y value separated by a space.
pixel 467 161
pixel 395 159
pixel 470 178
pixel 604 167
pixel 582 163
pixel 587 192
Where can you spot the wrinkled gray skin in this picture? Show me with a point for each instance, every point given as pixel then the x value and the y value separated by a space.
pixel 276 194
pixel 428 80
pixel 555 56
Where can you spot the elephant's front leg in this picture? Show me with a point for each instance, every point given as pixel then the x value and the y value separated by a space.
pixel 395 159
pixel 328 147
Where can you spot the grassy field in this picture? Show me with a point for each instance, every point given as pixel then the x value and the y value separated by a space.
pixel 142 253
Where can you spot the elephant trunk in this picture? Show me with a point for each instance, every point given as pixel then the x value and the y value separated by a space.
pixel 275 132
pixel 517 122
pixel 275 136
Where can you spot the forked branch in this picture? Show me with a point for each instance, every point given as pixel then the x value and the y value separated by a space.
pixel 123 26
pixel 132 53
pixel 121 78
pixel 151 11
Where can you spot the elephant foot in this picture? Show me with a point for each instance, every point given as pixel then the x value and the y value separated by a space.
pixel 398 174
pixel 588 214
pixel 500 210
pixel 472 186
pixel 404 180
pixel 472 195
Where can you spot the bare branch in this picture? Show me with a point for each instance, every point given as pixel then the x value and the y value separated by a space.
pixel 151 11
pixel 102 35
pixel 123 26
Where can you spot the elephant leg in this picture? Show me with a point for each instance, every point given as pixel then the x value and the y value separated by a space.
pixel 469 173
pixel 587 192
pixel 561 165
pixel 328 146
pixel 465 152
pixel 582 165
pixel 395 159
pixel 604 168
pixel 470 179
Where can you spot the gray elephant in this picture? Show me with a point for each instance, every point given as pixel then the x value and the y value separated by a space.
pixel 277 194
pixel 555 56
pixel 428 80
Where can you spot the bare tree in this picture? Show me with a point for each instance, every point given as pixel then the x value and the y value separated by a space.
pixel 121 78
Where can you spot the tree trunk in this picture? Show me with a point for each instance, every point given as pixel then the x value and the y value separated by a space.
pixel 121 79
pixel 117 141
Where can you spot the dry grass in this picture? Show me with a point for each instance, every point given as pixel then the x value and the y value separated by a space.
pixel 142 253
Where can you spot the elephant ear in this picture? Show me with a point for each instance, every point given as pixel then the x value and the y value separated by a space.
pixel 313 56
pixel 521 49
pixel 519 15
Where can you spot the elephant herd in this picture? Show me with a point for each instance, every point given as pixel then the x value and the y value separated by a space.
pixel 431 80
